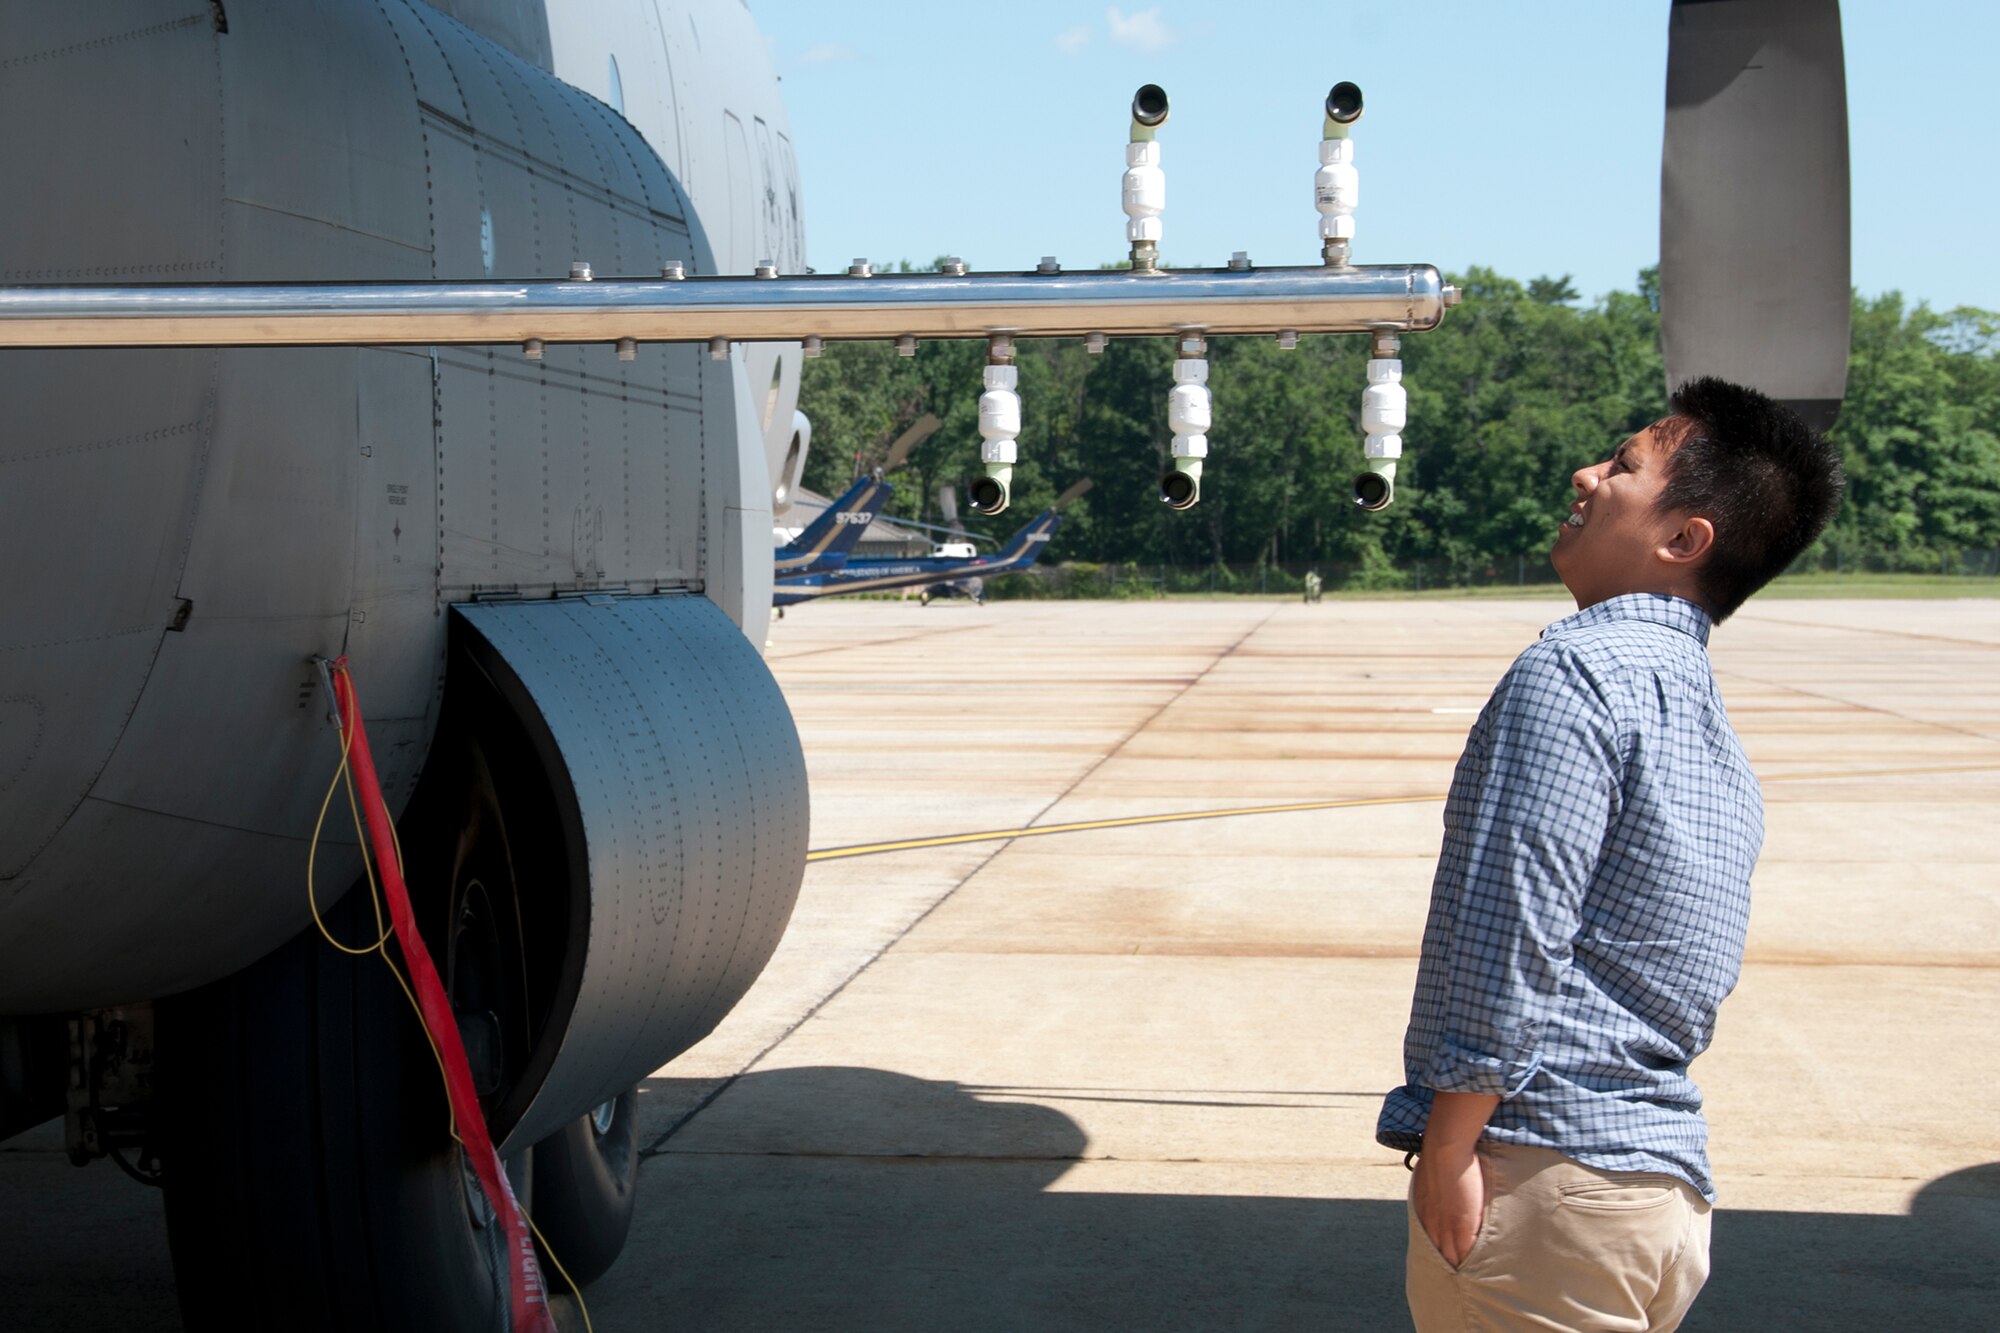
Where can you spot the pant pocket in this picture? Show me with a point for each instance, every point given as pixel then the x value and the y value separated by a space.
pixel 1630 1194
pixel 1420 1239
pixel 1421 1243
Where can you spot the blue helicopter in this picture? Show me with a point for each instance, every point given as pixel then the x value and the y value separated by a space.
pixel 830 538
pixel 960 568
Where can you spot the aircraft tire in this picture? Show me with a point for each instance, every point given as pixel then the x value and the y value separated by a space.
pixel 311 1181
pixel 586 1180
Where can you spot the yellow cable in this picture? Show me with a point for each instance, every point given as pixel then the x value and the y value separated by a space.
pixel 381 947
pixel 366 845
pixel 383 932
pixel 437 1054
pixel 312 856
pixel 1294 807
pixel 1092 825
pixel 574 1290
pixel 395 839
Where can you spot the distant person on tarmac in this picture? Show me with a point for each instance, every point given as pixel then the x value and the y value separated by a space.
pixel 1312 585
pixel 1588 913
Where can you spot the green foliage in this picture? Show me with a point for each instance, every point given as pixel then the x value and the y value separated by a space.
pixel 1920 434
pixel 1553 291
pixel 1520 386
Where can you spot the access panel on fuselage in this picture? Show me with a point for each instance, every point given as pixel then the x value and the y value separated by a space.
pixel 575 469
pixel 185 529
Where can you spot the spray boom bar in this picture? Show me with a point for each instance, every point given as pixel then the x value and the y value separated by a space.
pixel 1358 299
pixel 1189 305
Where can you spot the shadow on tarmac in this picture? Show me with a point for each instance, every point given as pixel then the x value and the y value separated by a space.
pixel 842 1198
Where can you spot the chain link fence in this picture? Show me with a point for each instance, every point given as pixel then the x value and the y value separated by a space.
pixel 1950 561
pixel 1533 574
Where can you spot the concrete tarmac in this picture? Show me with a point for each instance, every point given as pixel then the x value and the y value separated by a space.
pixel 1127 1077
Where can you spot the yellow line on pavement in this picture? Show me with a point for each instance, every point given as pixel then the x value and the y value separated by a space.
pixel 1879 773
pixel 1179 817
pixel 1042 830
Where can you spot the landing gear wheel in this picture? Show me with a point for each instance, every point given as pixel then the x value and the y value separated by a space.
pixel 484 965
pixel 586 1178
pixel 311 1179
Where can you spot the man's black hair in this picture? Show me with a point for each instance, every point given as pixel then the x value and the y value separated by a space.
pixel 1765 479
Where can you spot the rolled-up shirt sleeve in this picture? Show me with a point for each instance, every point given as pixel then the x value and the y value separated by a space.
pixel 1530 807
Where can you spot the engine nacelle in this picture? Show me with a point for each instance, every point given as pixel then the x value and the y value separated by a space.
pixel 680 793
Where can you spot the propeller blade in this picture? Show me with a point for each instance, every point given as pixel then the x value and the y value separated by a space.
pixel 920 430
pixel 1076 489
pixel 957 531
pixel 1754 249
pixel 948 508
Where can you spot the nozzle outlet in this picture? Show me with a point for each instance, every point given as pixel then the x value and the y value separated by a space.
pixel 1373 492
pixel 989 494
pixel 1343 103
pixel 1180 487
pixel 1149 108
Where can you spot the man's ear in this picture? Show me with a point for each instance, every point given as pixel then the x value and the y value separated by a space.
pixel 1690 543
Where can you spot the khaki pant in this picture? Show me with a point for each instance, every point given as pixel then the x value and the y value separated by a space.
pixel 1565 1246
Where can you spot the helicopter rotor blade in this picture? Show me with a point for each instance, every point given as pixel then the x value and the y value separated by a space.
pixel 920 430
pixel 947 496
pixel 957 530
pixel 1076 490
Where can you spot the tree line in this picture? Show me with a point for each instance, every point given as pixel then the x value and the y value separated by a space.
pixel 1522 384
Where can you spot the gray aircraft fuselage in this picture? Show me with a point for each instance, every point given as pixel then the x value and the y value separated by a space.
pixel 183 530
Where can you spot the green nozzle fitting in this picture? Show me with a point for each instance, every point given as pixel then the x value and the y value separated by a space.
pixel 1149 112
pixel 1343 108
pixel 1180 487
pixel 990 493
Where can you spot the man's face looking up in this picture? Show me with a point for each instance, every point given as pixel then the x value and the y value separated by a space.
pixel 1617 539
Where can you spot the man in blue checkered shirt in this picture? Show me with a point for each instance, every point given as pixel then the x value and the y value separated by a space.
pixel 1591 898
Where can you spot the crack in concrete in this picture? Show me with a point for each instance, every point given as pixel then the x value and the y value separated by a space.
pixel 1789 688
pixel 879 643
pixel 657 1147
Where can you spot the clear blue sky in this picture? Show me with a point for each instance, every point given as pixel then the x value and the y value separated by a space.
pixel 1522 135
